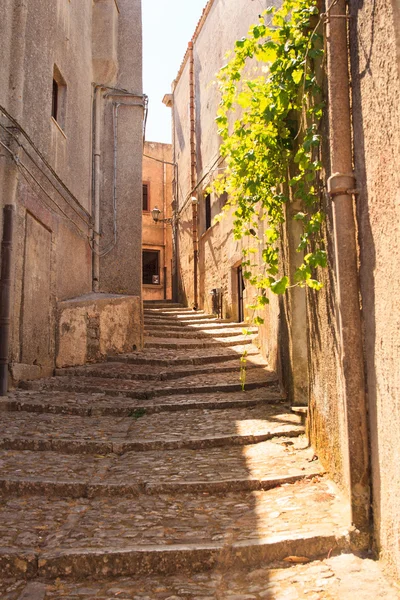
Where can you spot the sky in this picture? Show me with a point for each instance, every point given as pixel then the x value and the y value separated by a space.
pixel 168 26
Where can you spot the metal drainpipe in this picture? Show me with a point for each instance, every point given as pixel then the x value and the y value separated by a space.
pixel 96 194
pixel 164 167
pixel 5 294
pixel 193 177
pixel 341 186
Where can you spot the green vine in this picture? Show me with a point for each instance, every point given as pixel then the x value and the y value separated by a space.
pixel 269 119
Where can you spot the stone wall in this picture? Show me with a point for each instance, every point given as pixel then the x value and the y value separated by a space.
pixel 301 334
pixel 376 114
pixel 91 327
pixel 74 43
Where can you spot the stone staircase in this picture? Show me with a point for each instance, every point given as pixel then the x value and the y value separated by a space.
pixel 154 476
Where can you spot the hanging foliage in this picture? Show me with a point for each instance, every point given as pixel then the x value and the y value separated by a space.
pixel 269 119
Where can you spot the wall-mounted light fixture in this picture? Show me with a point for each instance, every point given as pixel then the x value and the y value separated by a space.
pixel 155 213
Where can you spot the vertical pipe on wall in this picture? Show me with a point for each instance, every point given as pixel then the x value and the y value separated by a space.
pixel 193 176
pixel 5 294
pixel 341 188
pixel 96 187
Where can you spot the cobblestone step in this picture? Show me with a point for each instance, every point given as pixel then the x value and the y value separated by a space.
pixel 260 466
pixel 177 344
pixel 201 334
pixel 195 384
pixel 213 325
pixel 342 577
pixel 194 429
pixel 72 403
pixel 116 370
pixel 183 357
pixel 144 535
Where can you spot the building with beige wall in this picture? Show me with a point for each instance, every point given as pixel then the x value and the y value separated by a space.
pixel 319 342
pixel 71 117
pixel 157 248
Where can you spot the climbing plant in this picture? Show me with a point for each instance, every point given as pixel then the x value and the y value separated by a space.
pixel 269 119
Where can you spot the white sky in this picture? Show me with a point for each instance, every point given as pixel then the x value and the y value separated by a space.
pixel 168 26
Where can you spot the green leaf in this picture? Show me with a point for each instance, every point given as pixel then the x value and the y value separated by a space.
pixel 297 76
pixel 279 286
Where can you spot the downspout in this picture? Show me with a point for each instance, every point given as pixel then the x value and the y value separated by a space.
pixel 341 186
pixel 193 176
pixel 164 167
pixel 96 187
pixel 5 294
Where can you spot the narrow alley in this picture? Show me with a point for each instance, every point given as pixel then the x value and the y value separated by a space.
pixel 154 476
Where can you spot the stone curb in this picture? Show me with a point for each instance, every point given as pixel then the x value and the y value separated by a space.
pixel 72 446
pixel 168 559
pixel 125 411
pixel 82 489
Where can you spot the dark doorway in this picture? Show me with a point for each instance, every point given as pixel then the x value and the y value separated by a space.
pixel 241 288
pixel 151 267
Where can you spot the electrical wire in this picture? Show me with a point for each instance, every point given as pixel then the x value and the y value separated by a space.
pixel 85 221
pixel 39 153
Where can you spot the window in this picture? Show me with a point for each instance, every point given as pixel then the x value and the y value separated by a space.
pixel 146 205
pixel 208 211
pixel 59 98
pixel 151 267
pixel 54 104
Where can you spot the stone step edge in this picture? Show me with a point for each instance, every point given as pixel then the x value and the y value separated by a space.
pixel 156 393
pixel 200 360
pixel 161 376
pixel 221 343
pixel 8 405
pixel 143 560
pixel 31 486
pixel 72 446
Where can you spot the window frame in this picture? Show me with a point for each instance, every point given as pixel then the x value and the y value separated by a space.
pixel 147 185
pixel 158 254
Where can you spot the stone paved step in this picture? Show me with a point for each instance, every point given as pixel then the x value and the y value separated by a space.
pixel 201 334
pixel 183 357
pixel 259 466
pixel 342 577
pixel 195 384
pixel 88 404
pixel 114 370
pixel 193 429
pixel 178 344
pixel 168 534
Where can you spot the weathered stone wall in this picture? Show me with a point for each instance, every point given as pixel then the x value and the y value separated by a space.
pixel 93 326
pixel 77 41
pixel 158 177
pixel 376 115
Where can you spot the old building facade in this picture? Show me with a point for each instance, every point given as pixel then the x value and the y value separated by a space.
pixel 310 338
pixel 71 117
pixel 157 251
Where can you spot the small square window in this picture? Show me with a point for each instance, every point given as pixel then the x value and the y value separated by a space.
pixel 146 204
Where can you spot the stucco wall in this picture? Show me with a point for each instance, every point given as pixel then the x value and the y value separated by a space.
pixel 158 177
pixel 93 326
pixel 376 96
pixel 80 41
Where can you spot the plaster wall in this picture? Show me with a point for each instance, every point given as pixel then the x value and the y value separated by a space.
pixel 77 41
pixel 120 267
pixel 93 326
pixel 158 177
pixel 376 97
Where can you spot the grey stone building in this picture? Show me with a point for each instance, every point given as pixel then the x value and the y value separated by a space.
pixel 71 130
